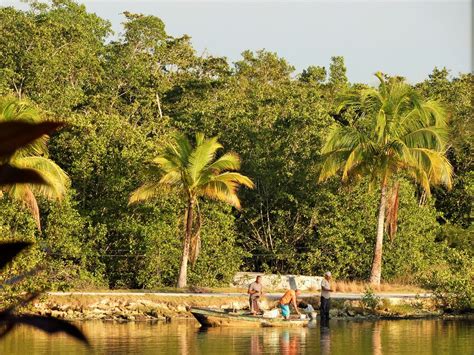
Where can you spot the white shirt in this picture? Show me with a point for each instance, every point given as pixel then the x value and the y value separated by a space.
pixel 324 293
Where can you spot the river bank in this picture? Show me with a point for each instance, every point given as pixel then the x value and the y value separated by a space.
pixel 142 306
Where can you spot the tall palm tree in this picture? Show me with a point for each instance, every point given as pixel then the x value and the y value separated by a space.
pixel 194 172
pixel 33 157
pixel 396 132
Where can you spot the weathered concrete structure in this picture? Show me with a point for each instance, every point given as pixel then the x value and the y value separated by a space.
pixel 278 282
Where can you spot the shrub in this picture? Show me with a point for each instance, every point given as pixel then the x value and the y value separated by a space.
pixel 370 300
pixel 452 282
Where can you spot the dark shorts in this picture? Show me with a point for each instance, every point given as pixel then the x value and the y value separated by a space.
pixel 324 307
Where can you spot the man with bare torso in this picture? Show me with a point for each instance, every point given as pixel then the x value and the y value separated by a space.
pixel 289 298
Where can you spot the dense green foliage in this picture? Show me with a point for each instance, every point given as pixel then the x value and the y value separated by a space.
pixel 451 281
pixel 125 97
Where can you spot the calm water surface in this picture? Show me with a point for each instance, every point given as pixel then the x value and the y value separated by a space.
pixel 185 337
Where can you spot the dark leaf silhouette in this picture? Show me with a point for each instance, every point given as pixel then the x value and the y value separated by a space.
pixel 17 134
pixel 48 324
pixel 10 175
pixel 9 250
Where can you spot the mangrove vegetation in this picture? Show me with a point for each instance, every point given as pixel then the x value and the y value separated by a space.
pixel 301 172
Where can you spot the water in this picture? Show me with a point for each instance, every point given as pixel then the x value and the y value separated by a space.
pixel 185 337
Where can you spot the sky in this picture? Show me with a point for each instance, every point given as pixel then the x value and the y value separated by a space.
pixel 398 37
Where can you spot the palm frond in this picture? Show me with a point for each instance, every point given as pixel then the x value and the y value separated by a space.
pixel 56 179
pixel 435 165
pixel 222 191
pixel 171 179
pixel 166 164
pixel 234 177
pixel 145 192
pixel 399 130
pixel 381 122
pixel 174 156
pixel 228 161
pixel 355 157
pixel 342 137
pixel 202 156
pixel 183 148
pixel 200 138
pixel 435 113
pixel 371 100
pixel 427 137
pixel 332 163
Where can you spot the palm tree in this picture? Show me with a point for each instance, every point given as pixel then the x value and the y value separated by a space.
pixel 396 132
pixel 194 172
pixel 32 157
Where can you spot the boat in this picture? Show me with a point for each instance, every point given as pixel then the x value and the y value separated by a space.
pixel 219 318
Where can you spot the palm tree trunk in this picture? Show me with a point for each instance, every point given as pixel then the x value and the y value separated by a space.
pixel 183 270
pixel 377 260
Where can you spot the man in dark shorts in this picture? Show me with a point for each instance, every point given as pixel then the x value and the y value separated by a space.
pixel 325 299
pixel 255 291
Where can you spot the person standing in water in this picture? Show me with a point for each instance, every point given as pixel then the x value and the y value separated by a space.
pixel 255 291
pixel 325 298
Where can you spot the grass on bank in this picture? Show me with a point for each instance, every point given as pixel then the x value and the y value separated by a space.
pixel 360 287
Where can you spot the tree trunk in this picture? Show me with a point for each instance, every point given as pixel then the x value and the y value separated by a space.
pixel 377 260
pixel 183 270
pixel 159 105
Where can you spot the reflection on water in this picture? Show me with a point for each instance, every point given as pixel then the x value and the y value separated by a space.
pixel 377 339
pixel 185 337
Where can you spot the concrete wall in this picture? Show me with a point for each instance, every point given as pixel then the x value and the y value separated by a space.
pixel 278 282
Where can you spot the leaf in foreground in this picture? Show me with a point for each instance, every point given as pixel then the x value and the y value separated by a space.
pixel 9 250
pixel 48 324
pixel 10 175
pixel 17 134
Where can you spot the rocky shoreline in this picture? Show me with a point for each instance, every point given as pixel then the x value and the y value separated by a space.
pixel 149 308
pixel 112 310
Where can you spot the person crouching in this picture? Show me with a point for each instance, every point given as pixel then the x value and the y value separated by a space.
pixel 289 298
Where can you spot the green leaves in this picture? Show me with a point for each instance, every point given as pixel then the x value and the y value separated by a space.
pixel 203 153
pixel 193 169
pixel 125 96
pixel 398 132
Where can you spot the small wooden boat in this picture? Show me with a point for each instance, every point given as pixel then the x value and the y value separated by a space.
pixel 217 318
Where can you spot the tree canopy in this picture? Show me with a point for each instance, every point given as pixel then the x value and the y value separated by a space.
pixel 125 96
